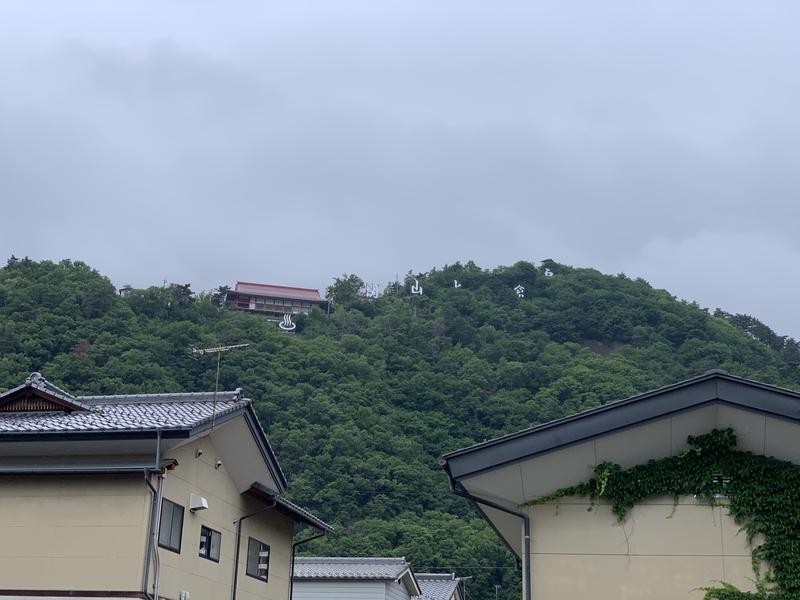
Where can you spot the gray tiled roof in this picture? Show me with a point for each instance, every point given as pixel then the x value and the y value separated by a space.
pixel 293 508
pixel 302 512
pixel 119 413
pixel 437 586
pixel 328 567
pixel 37 382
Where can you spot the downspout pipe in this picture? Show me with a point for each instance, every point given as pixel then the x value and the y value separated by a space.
pixel 459 490
pixel 294 552
pixel 151 537
pixel 238 523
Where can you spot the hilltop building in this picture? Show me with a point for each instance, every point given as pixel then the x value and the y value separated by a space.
pixel 173 496
pixel 344 578
pixel 572 549
pixel 274 300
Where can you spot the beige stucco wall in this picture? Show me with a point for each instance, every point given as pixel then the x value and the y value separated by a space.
pixel 72 533
pixel 661 552
pixel 203 578
pixel 89 533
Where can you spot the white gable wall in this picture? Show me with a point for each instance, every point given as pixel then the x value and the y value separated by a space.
pixel 396 591
pixel 659 554
pixel 205 579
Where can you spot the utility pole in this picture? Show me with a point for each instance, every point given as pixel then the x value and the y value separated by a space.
pixel 497 587
pixel 219 351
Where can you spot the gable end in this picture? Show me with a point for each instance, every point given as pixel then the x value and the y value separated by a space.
pixel 29 399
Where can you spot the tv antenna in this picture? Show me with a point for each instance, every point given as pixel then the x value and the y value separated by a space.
pixel 219 351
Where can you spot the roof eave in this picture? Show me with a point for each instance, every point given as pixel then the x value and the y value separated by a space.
pixel 302 515
pixel 410 582
pixel 95 434
pixel 86 469
pixel 260 437
pixel 266 448
pixel 636 410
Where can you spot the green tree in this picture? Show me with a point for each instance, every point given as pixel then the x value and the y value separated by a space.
pixel 360 404
pixel 345 290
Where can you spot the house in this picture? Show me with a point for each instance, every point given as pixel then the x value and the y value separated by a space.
pixel 440 586
pixel 340 578
pixel 666 547
pixel 274 300
pixel 176 496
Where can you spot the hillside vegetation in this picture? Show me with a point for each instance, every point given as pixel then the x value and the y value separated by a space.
pixel 360 404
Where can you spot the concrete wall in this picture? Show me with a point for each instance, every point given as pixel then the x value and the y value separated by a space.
pixel 203 578
pixel 73 533
pixel 661 552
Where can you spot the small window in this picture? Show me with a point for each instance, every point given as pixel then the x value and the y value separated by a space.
pixel 171 526
pixel 210 542
pixel 258 559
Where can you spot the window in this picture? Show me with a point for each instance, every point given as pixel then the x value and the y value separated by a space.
pixel 210 542
pixel 171 526
pixel 257 559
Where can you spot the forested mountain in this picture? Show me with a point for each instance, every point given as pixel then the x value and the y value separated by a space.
pixel 360 404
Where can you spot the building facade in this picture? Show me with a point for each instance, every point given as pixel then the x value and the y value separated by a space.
pixel 346 578
pixel 273 300
pixel 665 548
pixel 175 496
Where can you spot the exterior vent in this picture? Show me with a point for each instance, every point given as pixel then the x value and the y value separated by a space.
pixel 31 403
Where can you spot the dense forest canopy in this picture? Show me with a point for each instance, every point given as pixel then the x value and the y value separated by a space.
pixel 361 403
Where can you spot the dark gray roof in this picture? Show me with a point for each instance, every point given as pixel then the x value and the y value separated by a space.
pixel 713 386
pixel 297 511
pixel 126 412
pixel 437 586
pixel 304 514
pixel 35 381
pixel 176 414
pixel 331 567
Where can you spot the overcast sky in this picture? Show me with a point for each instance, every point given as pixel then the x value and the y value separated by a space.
pixel 289 142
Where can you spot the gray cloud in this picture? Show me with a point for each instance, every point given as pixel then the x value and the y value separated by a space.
pixel 291 142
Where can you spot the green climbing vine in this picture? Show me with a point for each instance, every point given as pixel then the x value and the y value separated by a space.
pixel 763 496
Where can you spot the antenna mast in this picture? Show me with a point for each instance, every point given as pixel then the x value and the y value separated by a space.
pixel 219 351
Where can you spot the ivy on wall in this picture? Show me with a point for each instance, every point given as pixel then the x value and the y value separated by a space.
pixel 763 496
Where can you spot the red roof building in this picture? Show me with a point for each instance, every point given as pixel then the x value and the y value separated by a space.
pixel 276 300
